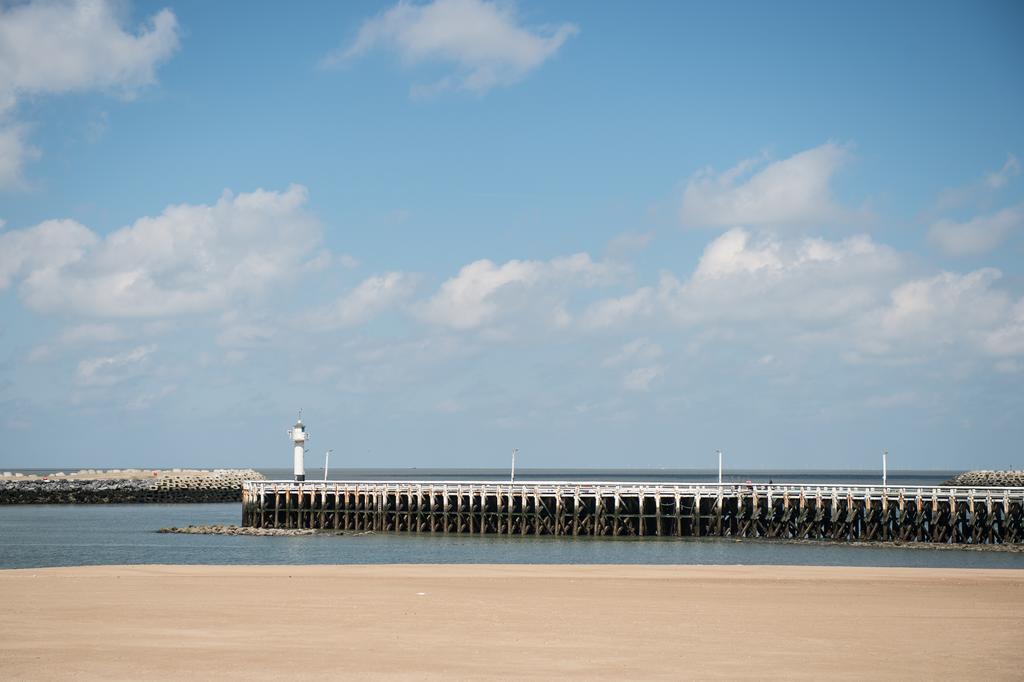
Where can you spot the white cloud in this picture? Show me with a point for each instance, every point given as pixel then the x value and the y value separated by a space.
pixel 640 379
pixel 113 369
pixel 483 291
pixel 240 334
pixel 999 179
pixel 190 258
pixel 52 47
pixel 91 333
pixel 794 191
pixel 483 41
pixel 860 298
pixel 44 248
pixel 1008 338
pixel 637 350
pixel 14 152
pixel 371 297
pixel 613 312
pixel 741 276
pixel 144 401
pixel 978 235
pixel 981 190
pixel 948 311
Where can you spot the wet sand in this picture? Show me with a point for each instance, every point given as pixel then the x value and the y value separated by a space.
pixel 473 621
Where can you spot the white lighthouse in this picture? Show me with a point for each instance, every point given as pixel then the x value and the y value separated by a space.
pixel 299 437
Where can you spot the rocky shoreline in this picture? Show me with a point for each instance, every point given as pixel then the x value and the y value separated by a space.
pixel 985 479
pixel 167 487
pixel 245 530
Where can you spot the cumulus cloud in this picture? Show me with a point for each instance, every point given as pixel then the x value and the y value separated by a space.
pixel 483 41
pixel 51 46
pixel 794 191
pixel 745 276
pixel 43 248
pixel 944 311
pixel 190 258
pixel 979 235
pixel 371 297
pixel 483 290
pixel 1008 338
pixel 616 311
pixel 861 298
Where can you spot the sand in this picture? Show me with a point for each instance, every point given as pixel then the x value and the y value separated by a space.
pixel 246 622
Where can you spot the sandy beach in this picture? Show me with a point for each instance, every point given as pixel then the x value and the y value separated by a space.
pixel 473 621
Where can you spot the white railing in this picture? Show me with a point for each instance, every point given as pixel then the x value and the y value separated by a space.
pixel 588 488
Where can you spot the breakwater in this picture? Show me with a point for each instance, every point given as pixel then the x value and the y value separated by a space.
pixel 975 515
pixel 988 478
pixel 127 486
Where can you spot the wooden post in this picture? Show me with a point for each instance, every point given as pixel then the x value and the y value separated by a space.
pixel 657 511
pixel 576 511
pixel 444 491
pixel 718 512
pixel 558 511
pixel 523 525
pixel 537 512
pixel 615 514
pixel 695 513
pixel 641 501
pixel 678 514
pixel 510 506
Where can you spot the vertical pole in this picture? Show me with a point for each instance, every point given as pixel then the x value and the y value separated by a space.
pixel 885 466
pixel 513 477
pixel 327 461
pixel 719 468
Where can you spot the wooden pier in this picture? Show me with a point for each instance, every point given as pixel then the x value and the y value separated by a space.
pixel 951 515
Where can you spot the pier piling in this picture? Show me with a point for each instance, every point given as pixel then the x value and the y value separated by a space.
pixel 952 515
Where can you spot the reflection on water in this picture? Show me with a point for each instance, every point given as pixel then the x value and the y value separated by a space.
pixel 67 535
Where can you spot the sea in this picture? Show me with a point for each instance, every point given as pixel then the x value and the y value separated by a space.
pixel 36 536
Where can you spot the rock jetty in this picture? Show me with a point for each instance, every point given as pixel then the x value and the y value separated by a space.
pixel 239 530
pixel 988 479
pixel 127 486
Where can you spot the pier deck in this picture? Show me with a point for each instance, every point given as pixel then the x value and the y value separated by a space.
pixel 956 515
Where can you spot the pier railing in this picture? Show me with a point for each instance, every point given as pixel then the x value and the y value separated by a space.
pixel 947 514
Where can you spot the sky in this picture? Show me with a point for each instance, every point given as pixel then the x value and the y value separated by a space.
pixel 606 234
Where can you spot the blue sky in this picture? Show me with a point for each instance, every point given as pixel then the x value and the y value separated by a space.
pixel 604 233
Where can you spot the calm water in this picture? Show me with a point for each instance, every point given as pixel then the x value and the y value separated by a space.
pixel 74 535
